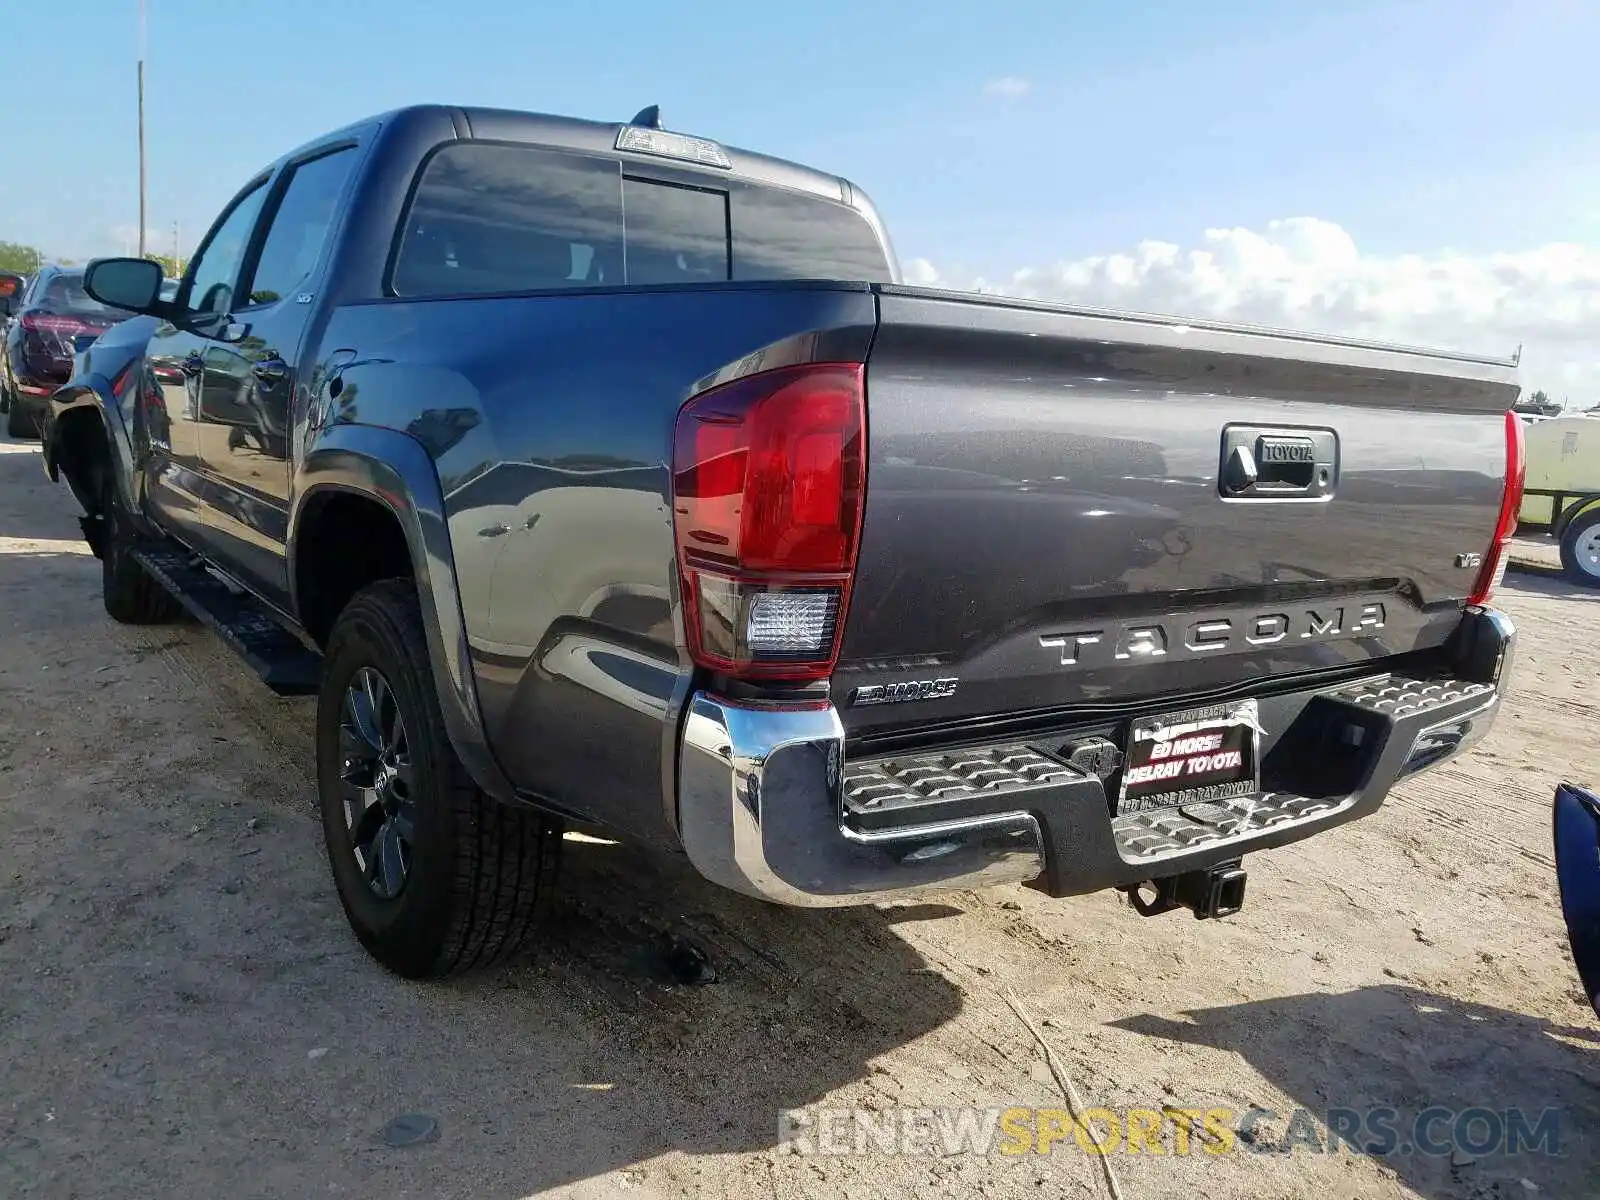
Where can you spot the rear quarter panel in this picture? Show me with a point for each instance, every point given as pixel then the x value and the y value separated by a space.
pixel 549 419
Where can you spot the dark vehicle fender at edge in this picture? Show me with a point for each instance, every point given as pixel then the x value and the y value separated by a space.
pixel 394 469
pixel 86 392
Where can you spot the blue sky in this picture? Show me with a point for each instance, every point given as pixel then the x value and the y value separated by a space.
pixel 1419 170
pixel 1416 126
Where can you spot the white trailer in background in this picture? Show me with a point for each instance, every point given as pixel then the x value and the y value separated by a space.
pixel 1562 492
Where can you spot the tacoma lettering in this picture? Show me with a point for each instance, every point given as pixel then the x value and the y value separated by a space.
pixel 1150 641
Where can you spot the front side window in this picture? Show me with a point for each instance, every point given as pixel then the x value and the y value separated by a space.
pixel 301 225
pixel 214 275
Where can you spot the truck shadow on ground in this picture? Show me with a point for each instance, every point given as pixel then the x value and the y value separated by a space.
pixel 591 1057
pixel 1410 1050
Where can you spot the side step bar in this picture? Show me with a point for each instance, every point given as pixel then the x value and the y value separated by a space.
pixel 284 663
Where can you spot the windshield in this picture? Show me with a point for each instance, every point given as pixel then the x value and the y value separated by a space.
pixel 65 293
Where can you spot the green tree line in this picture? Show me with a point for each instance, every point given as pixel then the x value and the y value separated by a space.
pixel 18 259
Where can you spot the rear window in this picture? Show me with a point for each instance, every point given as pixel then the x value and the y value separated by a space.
pixel 65 294
pixel 493 218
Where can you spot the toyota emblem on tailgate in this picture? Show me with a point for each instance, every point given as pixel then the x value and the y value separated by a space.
pixel 1285 450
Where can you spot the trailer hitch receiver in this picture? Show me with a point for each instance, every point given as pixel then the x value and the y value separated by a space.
pixel 1217 891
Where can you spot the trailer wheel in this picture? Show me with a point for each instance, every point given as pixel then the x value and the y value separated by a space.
pixel 1580 549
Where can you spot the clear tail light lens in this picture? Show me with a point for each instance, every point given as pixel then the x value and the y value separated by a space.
pixel 1494 562
pixel 768 485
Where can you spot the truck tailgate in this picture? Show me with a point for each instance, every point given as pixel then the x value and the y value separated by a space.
pixel 1060 509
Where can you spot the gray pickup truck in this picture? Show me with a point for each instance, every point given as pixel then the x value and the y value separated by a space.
pixel 598 474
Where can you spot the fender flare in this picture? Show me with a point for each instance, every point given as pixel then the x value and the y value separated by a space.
pixel 94 391
pixel 393 469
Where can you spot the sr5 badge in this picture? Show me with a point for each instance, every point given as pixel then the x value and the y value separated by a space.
pixel 899 693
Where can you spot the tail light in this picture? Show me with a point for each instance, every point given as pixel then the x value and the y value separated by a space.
pixel 768 484
pixel 65 327
pixel 122 382
pixel 1494 562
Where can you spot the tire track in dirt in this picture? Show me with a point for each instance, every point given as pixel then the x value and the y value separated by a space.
pixel 279 728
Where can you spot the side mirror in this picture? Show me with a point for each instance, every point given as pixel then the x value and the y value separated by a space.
pixel 1577 840
pixel 10 292
pixel 130 283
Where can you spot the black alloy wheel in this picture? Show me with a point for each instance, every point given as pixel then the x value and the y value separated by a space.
pixel 377 783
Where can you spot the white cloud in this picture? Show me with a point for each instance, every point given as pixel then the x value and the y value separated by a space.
pixel 124 238
pixel 1007 87
pixel 1309 274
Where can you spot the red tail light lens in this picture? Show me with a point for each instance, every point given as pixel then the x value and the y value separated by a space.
pixel 122 382
pixel 51 323
pixel 1494 562
pixel 768 483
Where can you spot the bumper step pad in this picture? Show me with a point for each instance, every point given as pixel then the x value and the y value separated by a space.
pixel 1151 835
pixel 1355 736
pixel 1402 696
pixel 897 783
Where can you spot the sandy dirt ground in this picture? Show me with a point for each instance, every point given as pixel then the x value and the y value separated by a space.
pixel 183 1011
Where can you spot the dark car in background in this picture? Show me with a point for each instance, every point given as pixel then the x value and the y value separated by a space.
pixel 37 355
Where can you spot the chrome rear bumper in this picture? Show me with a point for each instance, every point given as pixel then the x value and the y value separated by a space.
pixel 767 805
pixel 759 805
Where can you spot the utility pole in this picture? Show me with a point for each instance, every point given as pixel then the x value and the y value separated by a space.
pixel 177 250
pixel 141 129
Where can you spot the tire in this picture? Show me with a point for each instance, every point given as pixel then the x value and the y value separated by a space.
pixel 132 596
pixel 18 423
pixel 1580 549
pixel 435 876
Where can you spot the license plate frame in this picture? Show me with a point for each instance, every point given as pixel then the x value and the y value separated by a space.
pixel 1201 735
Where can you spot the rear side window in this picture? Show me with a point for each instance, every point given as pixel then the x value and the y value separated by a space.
pixel 789 235
pixel 492 218
pixel 300 226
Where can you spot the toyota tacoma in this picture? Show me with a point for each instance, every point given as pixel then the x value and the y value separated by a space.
pixel 597 474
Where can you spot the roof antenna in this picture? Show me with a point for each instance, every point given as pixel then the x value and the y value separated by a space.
pixel 650 117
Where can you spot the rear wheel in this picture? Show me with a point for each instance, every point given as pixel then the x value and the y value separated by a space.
pixel 1580 549
pixel 435 876
pixel 132 596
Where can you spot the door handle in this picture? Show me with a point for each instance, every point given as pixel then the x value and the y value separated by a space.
pixel 1278 463
pixel 271 369
pixel 193 365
